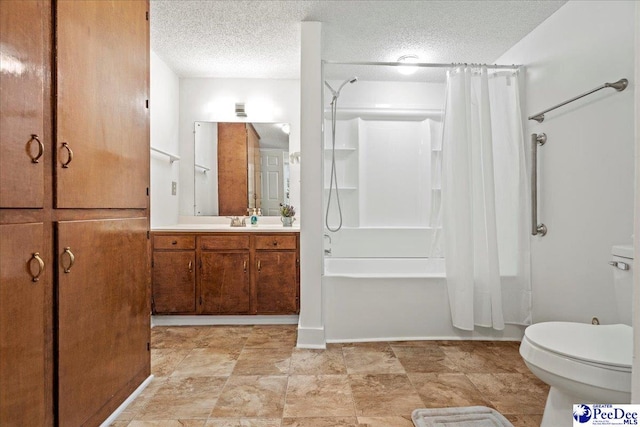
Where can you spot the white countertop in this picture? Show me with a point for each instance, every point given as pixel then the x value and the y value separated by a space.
pixel 203 228
pixel 203 224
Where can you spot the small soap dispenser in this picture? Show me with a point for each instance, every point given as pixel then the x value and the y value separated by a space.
pixel 254 218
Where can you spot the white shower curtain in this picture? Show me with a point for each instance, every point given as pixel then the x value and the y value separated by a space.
pixel 485 200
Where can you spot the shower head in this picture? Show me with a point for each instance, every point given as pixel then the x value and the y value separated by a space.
pixel 336 93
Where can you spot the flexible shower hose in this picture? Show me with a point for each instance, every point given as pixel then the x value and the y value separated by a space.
pixel 334 176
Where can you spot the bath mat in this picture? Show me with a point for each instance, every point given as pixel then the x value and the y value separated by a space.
pixel 468 416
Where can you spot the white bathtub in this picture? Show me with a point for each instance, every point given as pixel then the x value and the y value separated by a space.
pixel 389 299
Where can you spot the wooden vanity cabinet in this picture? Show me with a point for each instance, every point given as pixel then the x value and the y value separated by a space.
pixel 174 274
pixel 238 273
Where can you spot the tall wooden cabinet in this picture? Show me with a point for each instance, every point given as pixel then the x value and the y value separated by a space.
pixel 74 216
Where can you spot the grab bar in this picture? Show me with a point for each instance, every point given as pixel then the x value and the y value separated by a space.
pixel 536 228
pixel 620 85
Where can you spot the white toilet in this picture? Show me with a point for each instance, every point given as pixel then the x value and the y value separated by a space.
pixel 585 363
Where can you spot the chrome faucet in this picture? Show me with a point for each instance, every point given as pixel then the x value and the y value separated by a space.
pixel 327 251
pixel 237 221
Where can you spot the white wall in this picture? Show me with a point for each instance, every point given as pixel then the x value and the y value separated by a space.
pixel 586 169
pixel 266 100
pixel 311 323
pixel 164 136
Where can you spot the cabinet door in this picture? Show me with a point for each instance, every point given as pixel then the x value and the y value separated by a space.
pixel 224 283
pixel 23 26
pixel 102 117
pixel 174 282
pixel 277 282
pixel 103 316
pixel 22 326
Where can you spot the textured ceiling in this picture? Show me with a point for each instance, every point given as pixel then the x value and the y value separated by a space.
pixel 261 39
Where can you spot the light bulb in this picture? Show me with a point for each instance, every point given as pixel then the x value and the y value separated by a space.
pixel 407 69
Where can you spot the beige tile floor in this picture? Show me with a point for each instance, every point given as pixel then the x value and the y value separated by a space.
pixel 246 376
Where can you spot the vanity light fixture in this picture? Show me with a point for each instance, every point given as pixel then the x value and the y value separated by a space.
pixel 240 111
pixel 407 69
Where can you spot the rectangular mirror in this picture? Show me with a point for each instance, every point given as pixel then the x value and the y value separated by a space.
pixel 239 167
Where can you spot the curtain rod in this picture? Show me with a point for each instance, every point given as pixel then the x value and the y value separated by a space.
pixel 424 64
pixel 620 85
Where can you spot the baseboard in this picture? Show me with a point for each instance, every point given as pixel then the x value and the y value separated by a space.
pixel 222 320
pixel 127 402
pixel 311 338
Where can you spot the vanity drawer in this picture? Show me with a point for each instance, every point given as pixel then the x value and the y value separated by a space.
pixel 227 241
pixel 276 241
pixel 174 242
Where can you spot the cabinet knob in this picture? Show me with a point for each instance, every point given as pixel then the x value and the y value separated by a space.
pixel 175 242
pixel 70 155
pixel 258 265
pixel 34 159
pixel 275 243
pixel 72 260
pixel 190 266
pixel 36 256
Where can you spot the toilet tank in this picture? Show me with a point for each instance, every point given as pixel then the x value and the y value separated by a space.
pixel 622 266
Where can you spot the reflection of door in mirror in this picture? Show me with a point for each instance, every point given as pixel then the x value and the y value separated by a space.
pixel 273 181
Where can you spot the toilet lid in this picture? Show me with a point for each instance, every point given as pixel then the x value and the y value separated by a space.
pixel 610 345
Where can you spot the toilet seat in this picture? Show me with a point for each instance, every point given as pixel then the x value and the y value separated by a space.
pixel 583 358
pixel 607 346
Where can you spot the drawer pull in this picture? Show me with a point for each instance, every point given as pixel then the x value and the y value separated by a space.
pixel 244 265
pixel 258 265
pixel 72 260
pixel 190 266
pixel 66 147
pixel 36 256
pixel 35 159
